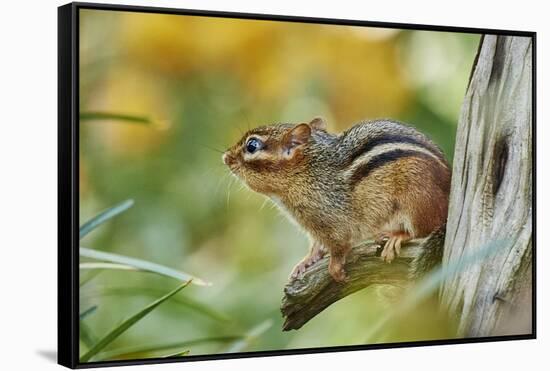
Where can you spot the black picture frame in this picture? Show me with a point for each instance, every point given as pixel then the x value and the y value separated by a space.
pixel 68 181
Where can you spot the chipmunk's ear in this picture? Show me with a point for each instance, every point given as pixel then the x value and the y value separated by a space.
pixel 318 123
pixel 296 137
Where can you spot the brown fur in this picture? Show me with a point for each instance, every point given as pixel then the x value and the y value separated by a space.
pixel 340 198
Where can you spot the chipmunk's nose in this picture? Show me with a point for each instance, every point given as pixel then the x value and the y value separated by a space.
pixel 226 158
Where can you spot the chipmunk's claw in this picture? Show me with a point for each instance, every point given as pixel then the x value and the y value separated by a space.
pixel 339 276
pixel 392 247
pixel 336 270
pixel 298 271
pixel 303 266
pixel 390 251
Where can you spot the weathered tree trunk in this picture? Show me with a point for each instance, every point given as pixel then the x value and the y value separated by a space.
pixel 491 193
pixel 490 205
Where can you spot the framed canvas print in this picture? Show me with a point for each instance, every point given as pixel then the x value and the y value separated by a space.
pixel 237 185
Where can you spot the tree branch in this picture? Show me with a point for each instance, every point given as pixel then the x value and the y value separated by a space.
pixel 307 296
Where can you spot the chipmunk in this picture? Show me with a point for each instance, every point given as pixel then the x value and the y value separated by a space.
pixel 378 180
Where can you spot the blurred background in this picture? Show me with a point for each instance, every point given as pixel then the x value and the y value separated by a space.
pixel 162 95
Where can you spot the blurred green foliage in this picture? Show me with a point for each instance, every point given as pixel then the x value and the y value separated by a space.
pixel 193 85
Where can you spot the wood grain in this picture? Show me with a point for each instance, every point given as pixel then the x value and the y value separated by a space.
pixel 491 193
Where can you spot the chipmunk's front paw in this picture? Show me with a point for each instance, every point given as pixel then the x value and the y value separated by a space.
pixel 298 270
pixel 303 266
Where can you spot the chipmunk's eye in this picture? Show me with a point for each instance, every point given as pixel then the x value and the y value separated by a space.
pixel 253 144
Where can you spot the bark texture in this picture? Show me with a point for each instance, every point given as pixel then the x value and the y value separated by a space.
pixel 491 194
pixel 307 296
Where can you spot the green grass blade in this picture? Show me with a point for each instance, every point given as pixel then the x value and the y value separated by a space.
pixel 105 265
pixel 136 351
pixel 95 116
pixel 87 312
pixel 177 354
pixel 253 334
pixel 86 335
pixel 102 217
pixel 84 279
pixel 126 324
pixel 141 265
pixel 192 304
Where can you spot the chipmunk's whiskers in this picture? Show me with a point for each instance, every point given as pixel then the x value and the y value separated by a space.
pixel 231 183
pixel 222 179
pixel 211 148
pixel 263 204
pixel 243 186
pixel 246 119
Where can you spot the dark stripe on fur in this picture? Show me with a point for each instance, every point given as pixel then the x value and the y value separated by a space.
pixel 383 159
pixel 375 142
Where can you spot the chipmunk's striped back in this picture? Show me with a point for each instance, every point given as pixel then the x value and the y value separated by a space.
pixel 372 145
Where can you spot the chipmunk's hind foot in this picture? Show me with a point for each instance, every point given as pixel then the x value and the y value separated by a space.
pixel 392 242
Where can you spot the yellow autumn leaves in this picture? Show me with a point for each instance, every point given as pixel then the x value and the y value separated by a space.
pixel 344 73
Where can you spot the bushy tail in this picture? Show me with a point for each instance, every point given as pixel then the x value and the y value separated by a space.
pixel 431 255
